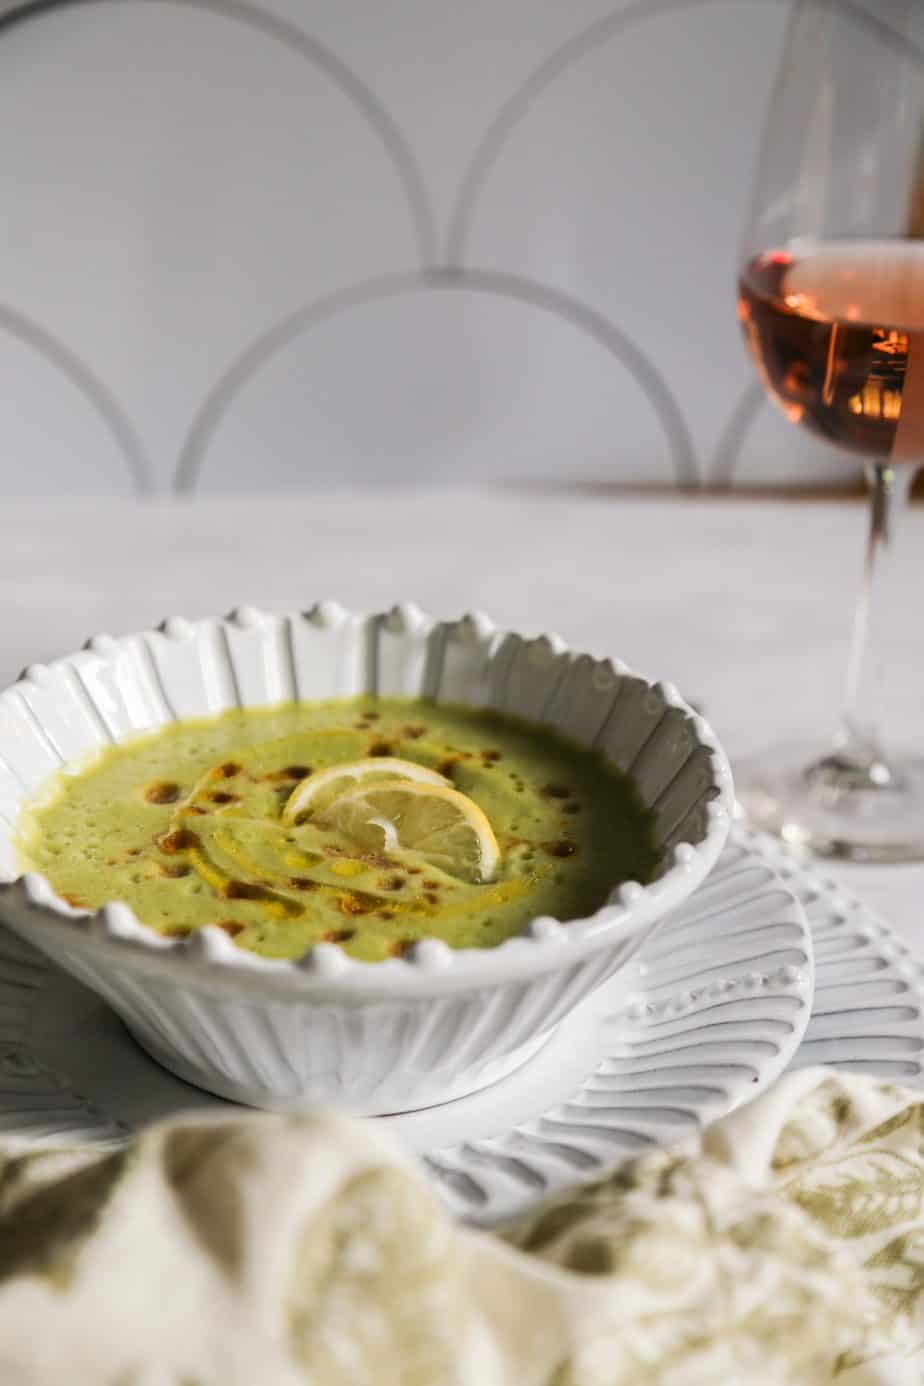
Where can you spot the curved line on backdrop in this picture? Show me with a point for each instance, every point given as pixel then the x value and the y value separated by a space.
pixel 79 374
pixel 362 98
pixel 512 286
pixel 736 428
pixel 518 105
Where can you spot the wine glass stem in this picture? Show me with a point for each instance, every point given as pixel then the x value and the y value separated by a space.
pixel 858 740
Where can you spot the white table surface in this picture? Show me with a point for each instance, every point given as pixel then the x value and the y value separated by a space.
pixel 744 604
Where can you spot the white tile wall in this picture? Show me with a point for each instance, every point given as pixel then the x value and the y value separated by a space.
pixel 297 242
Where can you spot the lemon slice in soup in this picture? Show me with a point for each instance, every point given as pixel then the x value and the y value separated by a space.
pixel 437 823
pixel 318 791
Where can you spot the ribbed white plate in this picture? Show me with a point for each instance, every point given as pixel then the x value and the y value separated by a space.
pixel 704 1020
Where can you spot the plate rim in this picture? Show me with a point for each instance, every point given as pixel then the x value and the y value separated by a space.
pixel 634 1010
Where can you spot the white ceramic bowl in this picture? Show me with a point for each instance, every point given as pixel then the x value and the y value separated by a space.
pixel 375 1037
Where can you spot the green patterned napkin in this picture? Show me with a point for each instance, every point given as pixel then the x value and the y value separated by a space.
pixel 783 1248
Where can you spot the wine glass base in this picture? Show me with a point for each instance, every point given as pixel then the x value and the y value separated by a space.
pixel 820 803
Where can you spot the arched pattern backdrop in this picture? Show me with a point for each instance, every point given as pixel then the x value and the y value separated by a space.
pixel 277 242
pixel 52 412
pixel 594 394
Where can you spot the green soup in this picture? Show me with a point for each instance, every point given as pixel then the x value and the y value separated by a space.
pixel 185 825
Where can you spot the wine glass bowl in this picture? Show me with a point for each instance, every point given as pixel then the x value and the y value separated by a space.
pixel 831 307
pixel 831 328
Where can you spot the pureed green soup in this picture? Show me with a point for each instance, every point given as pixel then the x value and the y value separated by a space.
pixel 185 825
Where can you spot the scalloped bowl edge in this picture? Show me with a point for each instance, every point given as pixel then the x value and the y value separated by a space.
pixel 170 991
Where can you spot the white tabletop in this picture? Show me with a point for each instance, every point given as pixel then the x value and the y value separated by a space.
pixel 744 604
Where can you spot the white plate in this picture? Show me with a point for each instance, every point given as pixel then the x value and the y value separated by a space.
pixel 703 1021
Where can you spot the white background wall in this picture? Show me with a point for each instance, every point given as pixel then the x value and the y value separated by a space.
pixel 297 242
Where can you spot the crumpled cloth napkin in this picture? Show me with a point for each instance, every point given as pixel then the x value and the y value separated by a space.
pixel 785 1245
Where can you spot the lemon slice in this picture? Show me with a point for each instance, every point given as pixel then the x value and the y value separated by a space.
pixel 437 823
pixel 324 786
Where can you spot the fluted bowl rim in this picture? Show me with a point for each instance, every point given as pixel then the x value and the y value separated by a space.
pixel 208 958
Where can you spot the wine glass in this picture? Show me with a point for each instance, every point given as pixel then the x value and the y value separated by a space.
pixel 831 304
